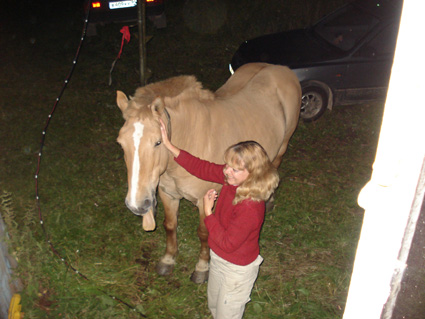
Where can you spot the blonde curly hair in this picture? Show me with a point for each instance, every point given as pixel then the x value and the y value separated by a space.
pixel 263 177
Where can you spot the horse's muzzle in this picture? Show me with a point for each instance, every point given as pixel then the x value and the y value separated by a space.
pixel 142 208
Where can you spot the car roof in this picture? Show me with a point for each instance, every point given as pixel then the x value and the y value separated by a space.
pixel 380 8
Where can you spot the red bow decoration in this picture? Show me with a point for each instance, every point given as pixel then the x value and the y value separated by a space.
pixel 125 36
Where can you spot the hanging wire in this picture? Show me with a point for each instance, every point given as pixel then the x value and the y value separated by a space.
pixel 42 142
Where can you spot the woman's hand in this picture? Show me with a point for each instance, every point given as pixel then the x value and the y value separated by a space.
pixel 174 150
pixel 209 199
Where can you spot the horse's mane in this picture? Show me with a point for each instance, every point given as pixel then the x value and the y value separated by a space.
pixel 179 87
pixel 171 87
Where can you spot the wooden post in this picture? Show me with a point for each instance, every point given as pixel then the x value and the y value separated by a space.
pixel 141 14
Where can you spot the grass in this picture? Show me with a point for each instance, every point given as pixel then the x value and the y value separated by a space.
pixel 308 241
pixel 316 220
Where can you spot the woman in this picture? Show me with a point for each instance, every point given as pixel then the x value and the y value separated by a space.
pixel 248 180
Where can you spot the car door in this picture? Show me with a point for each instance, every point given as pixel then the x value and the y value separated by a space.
pixel 369 70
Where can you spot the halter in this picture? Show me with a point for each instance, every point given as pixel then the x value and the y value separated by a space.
pixel 167 115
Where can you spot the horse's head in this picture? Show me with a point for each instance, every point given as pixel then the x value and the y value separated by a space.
pixel 146 160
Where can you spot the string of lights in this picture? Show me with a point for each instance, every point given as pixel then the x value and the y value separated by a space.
pixel 42 143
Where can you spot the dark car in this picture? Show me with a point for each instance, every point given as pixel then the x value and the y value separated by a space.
pixel 344 58
pixel 125 11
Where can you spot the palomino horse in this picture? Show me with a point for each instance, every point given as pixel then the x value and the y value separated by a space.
pixel 259 102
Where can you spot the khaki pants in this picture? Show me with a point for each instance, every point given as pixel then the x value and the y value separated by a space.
pixel 229 286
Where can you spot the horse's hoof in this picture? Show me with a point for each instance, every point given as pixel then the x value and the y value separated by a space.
pixel 164 269
pixel 199 277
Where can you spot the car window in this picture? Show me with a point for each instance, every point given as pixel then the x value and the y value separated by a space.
pixel 345 27
pixel 384 42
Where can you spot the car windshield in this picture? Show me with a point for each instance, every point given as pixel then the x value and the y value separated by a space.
pixel 345 27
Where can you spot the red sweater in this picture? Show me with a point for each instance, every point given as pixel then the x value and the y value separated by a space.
pixel 234 230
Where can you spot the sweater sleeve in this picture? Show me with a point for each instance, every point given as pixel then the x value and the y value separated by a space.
pixel 200 168
pixel 248 218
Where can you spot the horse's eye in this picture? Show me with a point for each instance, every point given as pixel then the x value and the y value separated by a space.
pixel 158 143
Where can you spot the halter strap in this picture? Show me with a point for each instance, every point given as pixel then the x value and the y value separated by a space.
pixel 169 122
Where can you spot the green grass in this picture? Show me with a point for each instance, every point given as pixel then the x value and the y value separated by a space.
pixel 308 241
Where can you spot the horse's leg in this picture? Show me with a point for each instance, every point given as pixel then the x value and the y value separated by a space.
pixel 171 206
pixel 200 275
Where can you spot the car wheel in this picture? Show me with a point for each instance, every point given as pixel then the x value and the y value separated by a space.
pixel 314 103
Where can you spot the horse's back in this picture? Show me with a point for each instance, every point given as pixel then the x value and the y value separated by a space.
pixel 262 87
pixel 262 82
pixel 239 79
pixel 258 72
pixel 259 102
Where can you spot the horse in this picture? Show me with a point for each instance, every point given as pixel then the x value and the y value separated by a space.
pixel 259 102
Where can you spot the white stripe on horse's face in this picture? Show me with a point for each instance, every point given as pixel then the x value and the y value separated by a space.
pixel 137 135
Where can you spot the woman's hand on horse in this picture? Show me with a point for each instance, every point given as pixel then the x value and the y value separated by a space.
pixel 209 199
pixel 165 140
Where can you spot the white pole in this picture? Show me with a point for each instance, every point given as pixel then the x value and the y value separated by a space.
pixel 396 187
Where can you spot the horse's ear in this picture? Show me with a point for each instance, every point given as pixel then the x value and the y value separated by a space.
pixel 122 101
pixel 158 106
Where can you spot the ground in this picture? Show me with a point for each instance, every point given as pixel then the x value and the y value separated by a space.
pixel 309 259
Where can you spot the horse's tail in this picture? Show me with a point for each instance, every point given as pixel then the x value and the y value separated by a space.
pixel 288 90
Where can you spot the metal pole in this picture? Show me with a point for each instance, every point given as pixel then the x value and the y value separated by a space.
pixel 141 9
